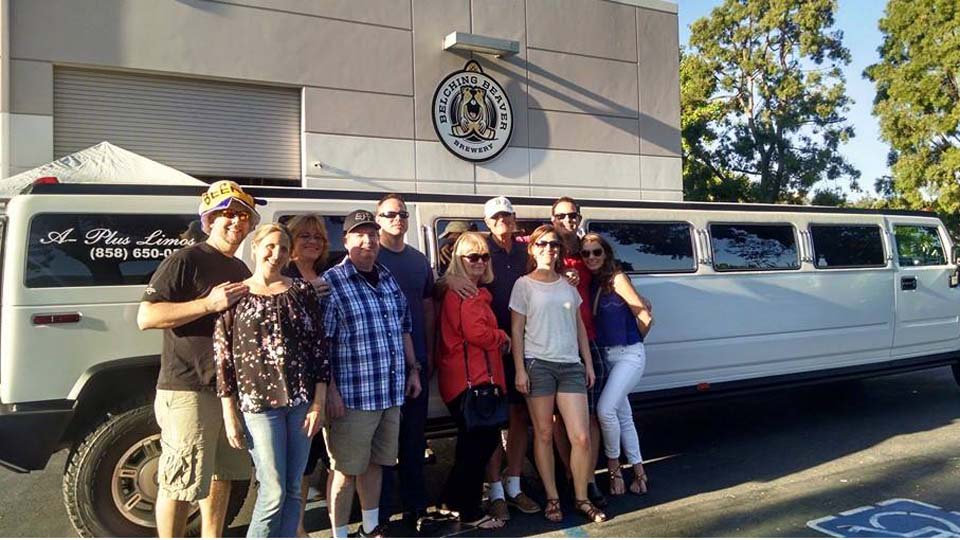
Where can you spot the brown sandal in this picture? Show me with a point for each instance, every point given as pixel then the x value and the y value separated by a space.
pixel 594 514
pixel 552 510
pixel 616 482
pixel 640 482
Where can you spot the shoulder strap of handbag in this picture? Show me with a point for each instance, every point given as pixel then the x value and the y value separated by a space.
pixel 466 364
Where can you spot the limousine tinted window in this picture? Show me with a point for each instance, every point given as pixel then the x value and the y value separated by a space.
pixel 86 250
pixel 919 246
pixel 750 246
pixel 846 246
pixel 650 246
pixel 334 226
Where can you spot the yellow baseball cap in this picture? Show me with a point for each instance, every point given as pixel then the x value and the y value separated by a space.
pixel 224 193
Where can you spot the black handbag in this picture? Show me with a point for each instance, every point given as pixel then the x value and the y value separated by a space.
pixel 483 405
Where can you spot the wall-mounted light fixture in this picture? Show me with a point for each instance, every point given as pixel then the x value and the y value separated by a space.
pixel 462 41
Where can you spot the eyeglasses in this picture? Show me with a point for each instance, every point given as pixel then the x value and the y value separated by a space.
pixel 306 237
pixel 501 216
pixel 390 215
pixel 591 252
pixel 572 216
pixel 550 244
pixel 477 257
pixel 237 214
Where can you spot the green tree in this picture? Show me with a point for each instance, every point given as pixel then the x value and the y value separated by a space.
pixel 763 102
pixel 918 103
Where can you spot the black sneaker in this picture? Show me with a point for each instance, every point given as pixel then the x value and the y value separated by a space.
pixel 377 532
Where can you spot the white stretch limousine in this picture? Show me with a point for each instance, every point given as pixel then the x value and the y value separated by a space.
pixel 745 296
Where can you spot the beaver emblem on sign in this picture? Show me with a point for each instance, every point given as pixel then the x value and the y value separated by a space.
pixel 472 114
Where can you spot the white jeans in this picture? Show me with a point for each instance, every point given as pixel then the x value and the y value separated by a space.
pixel 624 371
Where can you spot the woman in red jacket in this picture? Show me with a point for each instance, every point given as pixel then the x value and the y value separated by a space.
pixel 471 347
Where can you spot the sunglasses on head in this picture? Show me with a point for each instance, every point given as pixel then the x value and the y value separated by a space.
pixel 568 215
pixel 477 257
pixel 231 214
pixel 548 243
pixel 403 214
pixel 591 252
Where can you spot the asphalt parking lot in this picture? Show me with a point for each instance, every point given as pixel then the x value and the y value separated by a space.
pixel 759 465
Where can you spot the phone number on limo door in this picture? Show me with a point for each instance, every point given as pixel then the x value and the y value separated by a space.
pixel 122 253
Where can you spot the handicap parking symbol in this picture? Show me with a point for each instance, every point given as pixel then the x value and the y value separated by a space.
pixel 896 518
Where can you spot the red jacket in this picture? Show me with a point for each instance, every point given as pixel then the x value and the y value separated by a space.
pixel 471 321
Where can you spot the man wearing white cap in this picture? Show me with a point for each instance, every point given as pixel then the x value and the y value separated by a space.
pixel 185 295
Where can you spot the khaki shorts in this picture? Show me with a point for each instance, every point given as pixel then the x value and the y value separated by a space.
pixel 359 438
pixel 195 447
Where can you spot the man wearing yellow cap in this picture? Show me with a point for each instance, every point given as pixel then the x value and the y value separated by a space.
pixel 183 299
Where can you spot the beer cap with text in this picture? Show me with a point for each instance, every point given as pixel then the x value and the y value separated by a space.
pixel 223 194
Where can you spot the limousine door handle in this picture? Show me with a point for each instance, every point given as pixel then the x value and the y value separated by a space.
pixel 46 319
pixel 908 283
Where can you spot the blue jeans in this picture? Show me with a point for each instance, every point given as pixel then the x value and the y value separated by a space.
pixel 279 448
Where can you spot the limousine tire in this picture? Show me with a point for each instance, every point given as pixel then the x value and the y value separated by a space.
pixel 110 482
pixel 956 372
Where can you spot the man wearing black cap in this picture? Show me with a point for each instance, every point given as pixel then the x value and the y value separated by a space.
pixel 185 295
pixel 368 324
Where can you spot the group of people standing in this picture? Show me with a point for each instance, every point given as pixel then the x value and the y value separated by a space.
pixel 545 327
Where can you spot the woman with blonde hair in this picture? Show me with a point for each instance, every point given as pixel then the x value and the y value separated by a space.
pixel 308 260
pixel 470 361
pixel 622 319
pixel 272 365
pixel 308 256
pixel 554 366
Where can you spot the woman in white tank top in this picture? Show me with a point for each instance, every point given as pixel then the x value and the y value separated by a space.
pixel 554 367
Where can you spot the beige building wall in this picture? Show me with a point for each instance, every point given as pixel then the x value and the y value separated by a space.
pixel 594 89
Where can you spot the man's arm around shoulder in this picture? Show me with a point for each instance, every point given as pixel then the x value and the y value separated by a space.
pixel 161 315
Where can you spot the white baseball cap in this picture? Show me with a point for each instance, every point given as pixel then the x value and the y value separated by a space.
pixel 497 205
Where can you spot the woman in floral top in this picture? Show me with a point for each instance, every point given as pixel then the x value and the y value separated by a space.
pixel 271 359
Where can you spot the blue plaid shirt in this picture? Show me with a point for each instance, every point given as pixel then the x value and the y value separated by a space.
pixel 366 327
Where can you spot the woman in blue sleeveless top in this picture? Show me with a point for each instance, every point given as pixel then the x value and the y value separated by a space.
pixel 622 318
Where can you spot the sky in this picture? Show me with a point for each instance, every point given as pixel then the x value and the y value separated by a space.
pixel 858 21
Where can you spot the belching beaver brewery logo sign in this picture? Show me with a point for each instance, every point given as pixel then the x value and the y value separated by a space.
pixel 472 114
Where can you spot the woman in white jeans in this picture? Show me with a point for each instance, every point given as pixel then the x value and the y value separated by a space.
pixel 622 318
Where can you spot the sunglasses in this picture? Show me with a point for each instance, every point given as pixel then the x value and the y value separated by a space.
pixel 591 252
pixel 569 215
pixel 235 214
pixel 551 244
pixel 477 257
pixel 390 215
pixel 306 237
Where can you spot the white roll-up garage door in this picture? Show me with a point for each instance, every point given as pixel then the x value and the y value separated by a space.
pixel 203 128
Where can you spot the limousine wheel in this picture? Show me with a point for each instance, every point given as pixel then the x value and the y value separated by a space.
pixel 956 372
pixel 110 485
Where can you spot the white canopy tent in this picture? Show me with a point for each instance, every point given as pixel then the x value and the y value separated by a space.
pixel 102 163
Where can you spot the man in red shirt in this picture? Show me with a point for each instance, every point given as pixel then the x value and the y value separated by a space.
pixel 566 219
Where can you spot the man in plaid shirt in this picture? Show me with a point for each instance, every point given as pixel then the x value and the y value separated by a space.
pixel 373 363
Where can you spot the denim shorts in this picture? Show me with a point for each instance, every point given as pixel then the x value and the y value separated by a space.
pixel 549 378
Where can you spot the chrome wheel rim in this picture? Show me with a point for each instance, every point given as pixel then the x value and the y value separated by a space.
pixel 134 485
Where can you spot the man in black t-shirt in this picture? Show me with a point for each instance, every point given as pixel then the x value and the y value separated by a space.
pixel 184 298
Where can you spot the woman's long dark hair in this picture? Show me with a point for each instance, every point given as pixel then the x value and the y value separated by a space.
pixel 534 238
pixel 610 267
